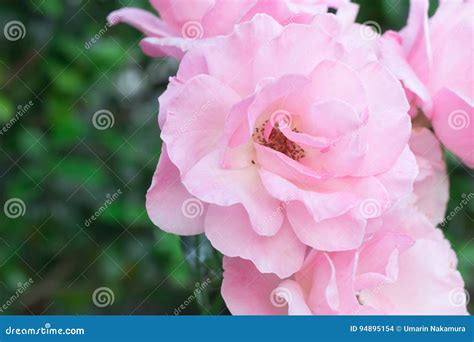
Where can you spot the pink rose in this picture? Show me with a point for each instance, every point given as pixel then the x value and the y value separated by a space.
pixel 405 268
pixel 440 50
pixel 281 137
pixel 431 188
pixel 184 23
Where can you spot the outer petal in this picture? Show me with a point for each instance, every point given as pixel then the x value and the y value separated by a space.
pixel 247 291
pixel 296 299
pixel 452 29
pixel 160 47
pixel 170 206
pixel 329 217
pixel 210 182
pixel 224 16
pixel 142 20
pixel 231 62
pixel 378 259
pixel 230 231
pixel 400 178
pixel 347 11
pixel 193 64
pixel 287 12
pixel 195 120
pixel 330 198
pixel 431 188
pixel 290 49
pixel 318 277
pixel 428 282
pixel 173 89
pixel 393 57
pixel 321 205
pixel 341 233
pixel 388 121
pixel 453 121
pixel 331 279
pixel 416 42
pixel 178 13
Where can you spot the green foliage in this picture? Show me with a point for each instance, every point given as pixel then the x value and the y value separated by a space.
pixel 64 169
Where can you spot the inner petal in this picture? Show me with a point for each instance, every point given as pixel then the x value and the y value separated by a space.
pixel 270 134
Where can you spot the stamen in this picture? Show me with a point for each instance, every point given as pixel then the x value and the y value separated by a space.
pixel 278 141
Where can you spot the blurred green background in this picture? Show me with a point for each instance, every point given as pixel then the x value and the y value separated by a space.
pixel 64 169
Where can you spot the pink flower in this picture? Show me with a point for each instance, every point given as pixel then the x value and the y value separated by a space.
pixel 282 137
pixel 440 50
pixel 431 188
pixel 185 23
pixel 405 268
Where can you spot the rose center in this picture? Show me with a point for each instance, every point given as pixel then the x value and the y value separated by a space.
pixel 277 141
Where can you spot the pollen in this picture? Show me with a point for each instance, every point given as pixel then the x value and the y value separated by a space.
pixel 278 141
